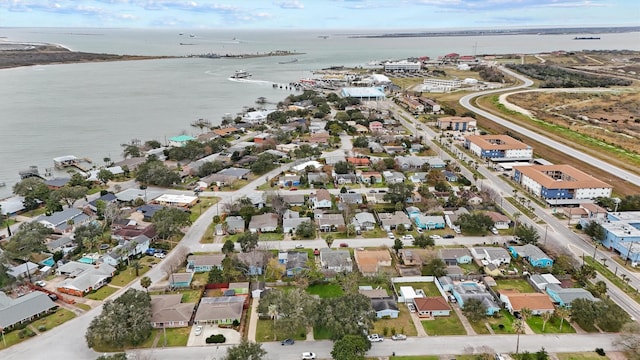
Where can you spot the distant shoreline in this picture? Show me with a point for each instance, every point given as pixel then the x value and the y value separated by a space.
pixel 538 31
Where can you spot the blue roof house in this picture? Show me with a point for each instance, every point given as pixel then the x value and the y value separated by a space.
pixel 180 141
pixel 533 254
pixel 565 296
pixel 428 222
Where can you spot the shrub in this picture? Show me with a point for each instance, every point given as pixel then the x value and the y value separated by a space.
pixel 393 331
pixel 42 328
pixel 216 339
pixel 385 331
pixel 236 323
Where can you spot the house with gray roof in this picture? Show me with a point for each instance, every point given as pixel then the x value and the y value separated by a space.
pixel 472 290
pixel 391 221
pixel 314 177
pixel 336 260
pixel 531 253
pixel 204 263
pixel 364 221
pixel 293 199
pixel 255 261
pixel 455 256
pixel 296 262
pixel 23 309
pixel 565 296
pixel 330 222
pixel 22 270
pixel 83 278
pixel 127 249
pixel 64 221
pixel 385 307
pixel 168 311
pixel 540 281
pixel 108 198
pixel 264 223
pixel 348 198
pixel 393 177
pixel 291 220
pixel 345 178
pixel 219 310
pixel 64 244
pixel 56 183
pixel 410 162
pixel 235 224
pixel 419 177
pixel 494 255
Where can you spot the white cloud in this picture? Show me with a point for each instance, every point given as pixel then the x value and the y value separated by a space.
pixel 290 4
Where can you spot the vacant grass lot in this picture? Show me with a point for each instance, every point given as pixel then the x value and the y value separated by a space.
pixel 580 356
pixel 175 337
pixel 129 274
pixel 504 318
pixel 84 307
pixel 403 324
pixel 326 290
pixel 552 327
pixel 50 321
pixel 102 293
pixel 264 332
pixel 521 285
pixel 429 288
pixel 444 325
pixel 430 357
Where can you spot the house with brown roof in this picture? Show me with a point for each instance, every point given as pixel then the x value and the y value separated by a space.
pixel 428 307
pixel 168 311
pixel 321 199
pixel 500 221
pixel 319 138
pixel 329 222
pixel 515 301
pixel 359 161
pixel 560 184
pixel 204 263
pixel 498 147
pixel 220 310
pixel 409 257
pixel 369 177
pixel 222 132
pixel 390 221
pixel 371 261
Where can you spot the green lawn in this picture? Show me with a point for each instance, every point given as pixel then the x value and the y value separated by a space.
pixel 271 236
pixel 552 327
pixel 13 337
pixel 264 332
pixel 376 233
pixel 175 337
pixel 50 321
pixel 102 293
pixel 326 290
pixel 84 307
pixel 322 333
pixel 505 319
pixel 430 357
pixel 402 324
pixel 521 285
pixel 127 275
pixel 190 296
pixel 429 288
pixel 444 325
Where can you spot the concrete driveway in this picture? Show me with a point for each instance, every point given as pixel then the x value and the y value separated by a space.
pixel 232 336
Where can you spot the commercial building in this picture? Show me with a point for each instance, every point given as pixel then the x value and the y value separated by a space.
pixel 403 65
pixel 560 184
pixel 622 234
pixel 363 93
pixel 498 147
pixel 459 123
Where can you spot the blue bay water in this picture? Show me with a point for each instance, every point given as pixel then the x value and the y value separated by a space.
pixel 89 109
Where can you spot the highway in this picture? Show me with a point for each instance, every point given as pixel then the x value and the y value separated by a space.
pixel 465 101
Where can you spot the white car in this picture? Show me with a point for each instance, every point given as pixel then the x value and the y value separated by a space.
pixel 391 236
pixel 408 237
pixel 494 231
pixel 308 356
pixel 198 331
pixel 399 337
pixel 436 237
pixel 160 255
pixel 40 283
pixel 375 338
pixel 299 246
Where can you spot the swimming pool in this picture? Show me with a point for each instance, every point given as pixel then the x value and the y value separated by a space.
pixel 86 260
pixel 48 262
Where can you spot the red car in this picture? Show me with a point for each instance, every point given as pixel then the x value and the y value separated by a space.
pixel 344 245
pixel 293 189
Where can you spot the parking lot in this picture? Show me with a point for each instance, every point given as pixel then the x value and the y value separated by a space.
pixel 232 336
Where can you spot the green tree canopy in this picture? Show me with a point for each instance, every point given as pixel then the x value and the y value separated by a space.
pixel 474 223
pixel 125 321
pixel 295 309
pixel 399 193
pixel 29 238
pixel 474 310
pixel 351 347
pixel 169 221
pixel 434 267
pixel 527 234
pixel 68 195
pixel 346 315
pixel 248 241
pixel 246 350
pixel 422 241
pixel 86 236
pixel 306 230
pixel 361 142
pixel 154 172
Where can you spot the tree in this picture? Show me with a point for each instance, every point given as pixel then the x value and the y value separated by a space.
pixel 435 267
pixel 274 269
pixel 629 340
pixel 264 163
pixel 296 309
pixel 306 230
pixel 562 312
pixel 475 223
pixel 397 245
pixel 584 273
pixel 474 310
pixel 546 316
pixel 527 234
pixel 246 350
pixel 118 356
pixel 350 347
pixel 88 234
pixel 33 187
pixel 604 314
pixel 342 167
pixel 131 151
pixel 248 241
pixel 595 231
pixel 135 264
pixel 399 193
pixel 155 172
pixel 361 142
pixel 123 322
pixel 169 221
pixel 145 282
pixel 518 327
pixel 215 276
pixel 346 315
pixel 105 176
pixel 423 241
pixel 29 238
pixel 228 247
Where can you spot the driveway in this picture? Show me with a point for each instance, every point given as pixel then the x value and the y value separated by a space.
pixel 232 336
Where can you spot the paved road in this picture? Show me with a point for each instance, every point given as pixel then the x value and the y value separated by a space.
pixel 465 101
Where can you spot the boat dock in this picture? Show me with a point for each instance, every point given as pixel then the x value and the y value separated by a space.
pixel 66 161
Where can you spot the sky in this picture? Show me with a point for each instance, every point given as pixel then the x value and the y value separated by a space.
pixel 318 14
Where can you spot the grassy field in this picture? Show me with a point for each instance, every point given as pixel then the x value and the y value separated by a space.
pixel 325 290
pixel 429 288
pixel 444 325
pixel 521 285
pixel 264 332
pixel 580 356
pixel 613 278
pixel 552 327
pixel 402 324
pixel 129 274
pixel 102 293
pixel 505 319
pixel 13 337
pixel 430 357
pixel 50 321
pixel 175 337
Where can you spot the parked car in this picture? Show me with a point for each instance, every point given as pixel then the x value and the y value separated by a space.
pixel 449 236
pixel 40 283
pixel 419 230
pixel 198 331
pixel 412 308
pixel 373 191
pixel 351 192
pixel 398 337
pixel 150 251
pixel 382 191
pixel 293 189
pixel 53 297
pixel 375 338
pixel 494 231
pixel 299 246
pixel 408 237
pixel 308 356
pixel 287 342
pixel 435 237
pixel 391 236
pixel 160 255
pixel 344 245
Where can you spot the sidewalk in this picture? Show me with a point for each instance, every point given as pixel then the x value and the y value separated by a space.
pixel 253 321
pixel 418 325
pixel 464 320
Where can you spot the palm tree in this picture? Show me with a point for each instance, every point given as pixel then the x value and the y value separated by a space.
pixel 562 312
pixel 546 316
pixel 145 282
pixel 135 264
pixel 518 327
pixel 516 216
pixel 273 313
